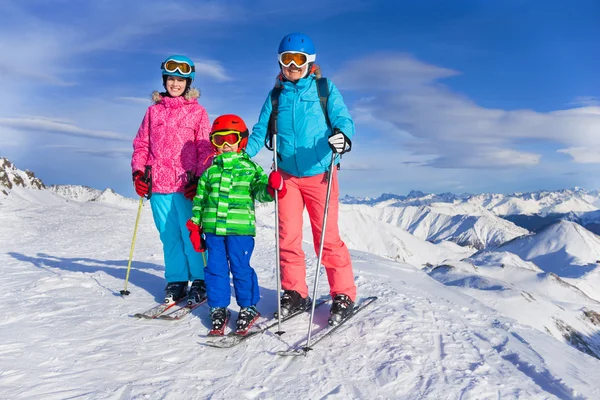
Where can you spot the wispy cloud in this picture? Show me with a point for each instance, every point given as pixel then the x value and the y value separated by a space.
pixel 102 153
pixel 50 50
pixel 583 155
pixel 134 100
pixel 585 101
pixel 405 96
pixel 57 126
pixel 212 68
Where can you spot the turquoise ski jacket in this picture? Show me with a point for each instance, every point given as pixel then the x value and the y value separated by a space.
pixel 302 128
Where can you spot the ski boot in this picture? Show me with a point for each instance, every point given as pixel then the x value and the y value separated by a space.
pixel 175 291
pixel 197 292
pixel 341 309
pixel 291 301
pixel 246 318
pixel 219 317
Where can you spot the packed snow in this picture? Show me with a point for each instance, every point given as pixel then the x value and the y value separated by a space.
pixel 486 327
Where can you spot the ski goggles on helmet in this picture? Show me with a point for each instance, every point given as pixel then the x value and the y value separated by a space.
pixel 174 66
pixel 221 138
pixel 298 58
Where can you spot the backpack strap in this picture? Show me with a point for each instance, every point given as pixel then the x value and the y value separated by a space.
pixel 323 91
pixel 272 127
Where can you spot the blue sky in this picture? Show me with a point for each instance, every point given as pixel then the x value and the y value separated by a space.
pixel 447 96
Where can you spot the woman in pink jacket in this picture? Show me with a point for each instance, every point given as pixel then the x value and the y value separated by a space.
pixel 173 143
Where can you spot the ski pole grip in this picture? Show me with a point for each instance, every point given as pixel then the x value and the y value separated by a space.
pixel 148 179
pixel 191 178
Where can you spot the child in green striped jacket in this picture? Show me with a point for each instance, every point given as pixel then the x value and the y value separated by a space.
pixel 223 210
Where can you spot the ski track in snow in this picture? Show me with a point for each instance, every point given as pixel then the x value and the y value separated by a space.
pixel 69 335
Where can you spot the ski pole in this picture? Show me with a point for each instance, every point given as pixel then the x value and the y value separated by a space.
pixel 125 292
pixel 146 178
pixel 320 256
pixel 277 255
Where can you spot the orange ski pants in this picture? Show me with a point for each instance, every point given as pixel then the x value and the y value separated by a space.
pixel 311 192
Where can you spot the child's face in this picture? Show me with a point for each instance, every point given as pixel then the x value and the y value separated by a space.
pixel 175 85
pixel 228 148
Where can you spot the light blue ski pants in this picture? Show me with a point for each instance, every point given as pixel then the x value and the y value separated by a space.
pixel 171 212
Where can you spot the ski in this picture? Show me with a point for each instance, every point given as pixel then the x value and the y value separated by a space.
pixel 157 310
pixel 181 313
pixel 303 350
pixel 235 338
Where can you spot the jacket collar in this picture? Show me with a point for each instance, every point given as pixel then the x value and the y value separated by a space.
pixel 229 160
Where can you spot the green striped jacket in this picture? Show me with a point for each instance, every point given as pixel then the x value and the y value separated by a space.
pixel 224 202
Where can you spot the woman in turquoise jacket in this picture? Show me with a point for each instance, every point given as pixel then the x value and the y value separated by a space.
pixel 305 142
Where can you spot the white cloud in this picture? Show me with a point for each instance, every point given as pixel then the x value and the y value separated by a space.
pixel 405 93
pixel 135 100
pixel 48 50
pixel 585 101
pixel 583 155
pixel 96 152
pixel 57 126
pixel 213 69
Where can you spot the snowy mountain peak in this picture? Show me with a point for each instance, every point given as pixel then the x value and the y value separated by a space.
pixel 76 192
pixel 11 176
pixel 84 193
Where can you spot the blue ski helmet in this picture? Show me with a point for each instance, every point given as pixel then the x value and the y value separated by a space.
pixel 297 42
pixel 178 65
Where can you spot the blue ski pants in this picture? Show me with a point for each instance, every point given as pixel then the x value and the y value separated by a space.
pixel 230 253
pixel 171 212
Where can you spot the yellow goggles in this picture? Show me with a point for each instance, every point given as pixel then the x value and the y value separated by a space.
pixel 220 139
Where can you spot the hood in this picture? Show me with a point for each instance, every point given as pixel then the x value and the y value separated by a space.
pixel 191 95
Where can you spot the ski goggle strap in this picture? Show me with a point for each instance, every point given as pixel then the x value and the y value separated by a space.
pixel 298 58
pixel 219 139
pixel 173 66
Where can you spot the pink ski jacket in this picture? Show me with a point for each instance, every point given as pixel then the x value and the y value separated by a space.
pixel 173 139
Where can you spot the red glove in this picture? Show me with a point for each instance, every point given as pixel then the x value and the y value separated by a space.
pixel 141 187
pixel 196 236
pixel 276 182
pixel 190 191
pixel 191 187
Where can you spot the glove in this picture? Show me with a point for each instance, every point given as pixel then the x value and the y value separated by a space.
pixel 196 236
pixel 339 142
pixel 276 182
pixel 191 188
pixel 141 187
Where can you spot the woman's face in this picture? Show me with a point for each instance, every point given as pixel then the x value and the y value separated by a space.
pixel 175 85
pixel 293 73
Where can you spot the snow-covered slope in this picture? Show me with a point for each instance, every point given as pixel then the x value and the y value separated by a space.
pixel 518 289
pixel 71 336
pixel 464 224
pixel 566 249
